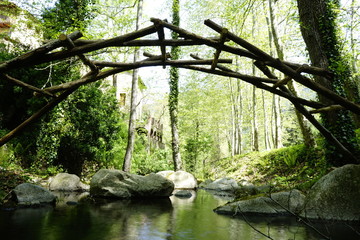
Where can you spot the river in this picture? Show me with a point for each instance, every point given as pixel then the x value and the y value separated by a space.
pixel 155 219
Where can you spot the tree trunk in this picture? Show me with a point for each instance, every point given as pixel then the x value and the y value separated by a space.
pixel 266 126
pixel 174 92
pixel 255 132
pixel 233 133
pixel 318 28
pixel 236 116
pixel 277 122
pixel 239 118
pixel 354 54
pixel 255 145
pixel 134 90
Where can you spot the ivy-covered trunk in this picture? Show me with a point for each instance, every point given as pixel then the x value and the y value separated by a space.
pixel 318 28
pixel 174 92
pixel 134 89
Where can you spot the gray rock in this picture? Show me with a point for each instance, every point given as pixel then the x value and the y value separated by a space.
pixel 183 194
pixel 335 196
pixel 67 182
pixel 278 204
pixel 223 184
pixel 205 183
pixel 28 194
pixel 119 184
pixel 181 179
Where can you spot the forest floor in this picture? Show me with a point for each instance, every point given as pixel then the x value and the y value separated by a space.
pixel 285 168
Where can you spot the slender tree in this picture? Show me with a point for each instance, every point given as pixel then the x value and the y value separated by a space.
pixel 255 130
pixel 304 127
pixel 174 91
pixel 133 103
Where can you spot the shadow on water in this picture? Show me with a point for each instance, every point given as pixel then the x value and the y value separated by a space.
pixel 170 218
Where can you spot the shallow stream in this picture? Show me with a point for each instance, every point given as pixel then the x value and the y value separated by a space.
pixel 155 219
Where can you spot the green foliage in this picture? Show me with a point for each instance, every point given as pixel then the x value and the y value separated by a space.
pixel 18 104
pixel 6 156
pixel 67 16
pixel 197 149
pixel 145 163
pixel 90 128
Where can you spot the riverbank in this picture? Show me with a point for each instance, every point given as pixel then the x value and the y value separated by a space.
pixel 286 168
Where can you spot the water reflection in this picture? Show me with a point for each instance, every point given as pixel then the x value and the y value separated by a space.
pixel 169 218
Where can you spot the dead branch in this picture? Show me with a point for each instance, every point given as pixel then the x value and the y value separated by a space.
pixel 36 116
pixel 25 85
pixel 149 63
pixel 258 82
pixel 65 39
pixel 24 60
pixel 27 58
pixel 327 109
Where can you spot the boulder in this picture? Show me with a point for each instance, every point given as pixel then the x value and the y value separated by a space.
pixel 68 183
pixel 223 184
pixel 335 196
pixel 27 194
pixel 119 184
pixel 181 179
pixel 279 204
pixel 183 194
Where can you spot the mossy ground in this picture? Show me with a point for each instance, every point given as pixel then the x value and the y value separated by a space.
pixel 285 168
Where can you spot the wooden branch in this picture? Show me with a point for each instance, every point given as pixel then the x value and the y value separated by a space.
pixel 208 42
pixel 28 57
pixel 299 106
pixel 279 65
pixel 258 52
pixel 324 131
pixel 152 57
pixel 287 78
pixel 259 83
pixel 22 62
pixel 25 85
pixel 70 45
pixel 88 78
pixel 309 69
pixel 149 63
pixel 161 35
pixel 219 66
pixel 122 67
pixel 327 109
pixel 36 116
pixel 224 32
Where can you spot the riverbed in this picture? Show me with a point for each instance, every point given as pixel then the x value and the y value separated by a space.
pixel 154 219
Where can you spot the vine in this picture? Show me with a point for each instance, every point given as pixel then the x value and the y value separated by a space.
pixel 343 129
